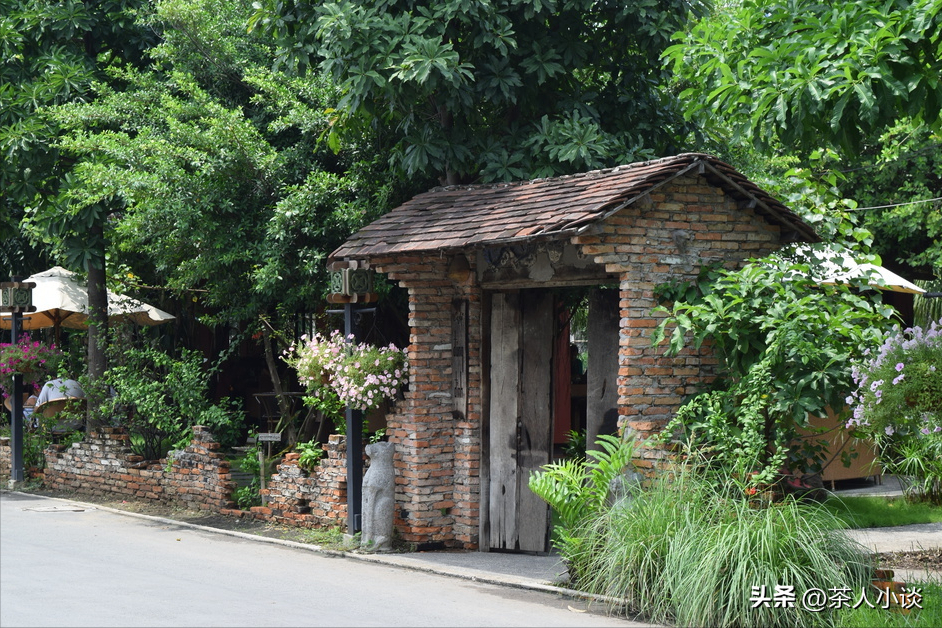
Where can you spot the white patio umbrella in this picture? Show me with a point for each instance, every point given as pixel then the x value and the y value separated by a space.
pixel 877 276
pixel 839 267
pixel 61 301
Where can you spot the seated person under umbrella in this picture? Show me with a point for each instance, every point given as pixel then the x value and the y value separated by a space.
pixel 58 395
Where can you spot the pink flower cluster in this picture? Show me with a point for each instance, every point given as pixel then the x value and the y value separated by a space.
pixel 362 375
pixel 34 360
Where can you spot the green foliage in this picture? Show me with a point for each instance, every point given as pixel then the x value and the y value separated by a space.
pixel 688 551
pixel 841 98
pixel 578 489
pixel 206 145
pixel 898 403
pixel 160 397
pixel 247 496
pixel 494 91
pixel 311 454
pixel 897 178
pixel 575 446
pixel 729 427
pixel 812 74
pixel 785 344
pixel 928 616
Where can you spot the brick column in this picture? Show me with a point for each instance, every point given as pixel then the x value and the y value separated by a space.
pixel 437 452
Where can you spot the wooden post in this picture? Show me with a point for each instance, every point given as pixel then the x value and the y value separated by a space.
pixel 261 473
pixel 602 380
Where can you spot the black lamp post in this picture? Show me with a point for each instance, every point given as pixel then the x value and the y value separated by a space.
pixel 17 298
pixel 352 282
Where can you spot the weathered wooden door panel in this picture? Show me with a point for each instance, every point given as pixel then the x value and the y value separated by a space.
pixel 505 383
pixel 521 417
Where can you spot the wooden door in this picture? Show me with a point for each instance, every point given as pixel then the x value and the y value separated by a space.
pixel 521 419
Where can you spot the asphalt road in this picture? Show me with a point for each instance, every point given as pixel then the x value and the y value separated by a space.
pixel 61 566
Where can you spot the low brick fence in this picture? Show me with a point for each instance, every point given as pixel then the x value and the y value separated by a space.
pixel 197 478
pixel 296 497
pixel 103 465
pixel 6 455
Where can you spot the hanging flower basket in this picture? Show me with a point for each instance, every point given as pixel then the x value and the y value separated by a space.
pixel 35 361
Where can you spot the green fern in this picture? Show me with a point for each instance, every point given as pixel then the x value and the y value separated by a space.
pixel 577 489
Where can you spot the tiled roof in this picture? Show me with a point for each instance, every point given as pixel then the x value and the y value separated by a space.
pixel 471 216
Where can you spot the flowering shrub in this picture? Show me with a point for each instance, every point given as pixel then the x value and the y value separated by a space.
pixel 34 360
pixel 898 403
pixel 361 376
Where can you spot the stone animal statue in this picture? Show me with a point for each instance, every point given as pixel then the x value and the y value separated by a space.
pixel 379 498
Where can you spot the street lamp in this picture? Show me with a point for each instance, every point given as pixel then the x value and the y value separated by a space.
pixel 16 297
pixel 352 282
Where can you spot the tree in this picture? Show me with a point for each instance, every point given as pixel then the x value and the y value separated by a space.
pixel 220 188
pixel 851 90
pixel 812 74
pixel 471 90
pixel 52 52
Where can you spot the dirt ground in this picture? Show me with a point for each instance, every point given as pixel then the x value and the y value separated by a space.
pixel 332 538
pixel 930 560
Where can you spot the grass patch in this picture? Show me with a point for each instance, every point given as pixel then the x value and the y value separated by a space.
pixel 881 512
pixel 929 616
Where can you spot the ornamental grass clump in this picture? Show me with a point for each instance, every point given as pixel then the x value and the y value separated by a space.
pixel 898 403
pixel 690 551
pixel 361 376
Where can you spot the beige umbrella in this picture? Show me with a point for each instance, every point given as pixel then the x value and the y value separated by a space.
pixel 876 276
pixel 61 301
pixel 835 266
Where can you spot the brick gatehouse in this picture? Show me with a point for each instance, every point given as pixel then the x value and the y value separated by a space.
pixel 488 269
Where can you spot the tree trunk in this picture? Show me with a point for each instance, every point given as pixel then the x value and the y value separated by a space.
pixel 283 404
pixel 97 333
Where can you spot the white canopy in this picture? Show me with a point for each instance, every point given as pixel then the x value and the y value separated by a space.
pixel 835 267
pixel 61 300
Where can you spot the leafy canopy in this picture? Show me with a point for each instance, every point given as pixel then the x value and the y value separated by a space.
pixel 212 164
pixel 814 74
pixel 471 90
pixel 784 343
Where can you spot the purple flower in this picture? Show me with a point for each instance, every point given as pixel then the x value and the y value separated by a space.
pixel 889 430
pixel 898 379
pixel 899 367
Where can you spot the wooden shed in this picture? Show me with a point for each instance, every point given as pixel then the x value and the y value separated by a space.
pixel 486 268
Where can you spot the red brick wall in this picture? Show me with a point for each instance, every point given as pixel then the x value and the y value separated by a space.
pixel 310 500
pixel 639 244
pixel 438 452
pixel 103 465
pixel 197 478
